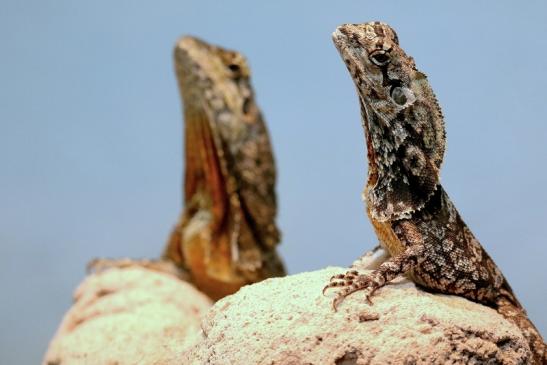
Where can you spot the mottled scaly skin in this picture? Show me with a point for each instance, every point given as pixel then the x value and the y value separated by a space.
pixel 415 220
pixel 226 236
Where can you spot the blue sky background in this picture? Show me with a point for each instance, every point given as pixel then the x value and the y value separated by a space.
pixel 91 135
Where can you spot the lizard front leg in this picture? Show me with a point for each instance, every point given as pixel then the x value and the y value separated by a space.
pixel 352 281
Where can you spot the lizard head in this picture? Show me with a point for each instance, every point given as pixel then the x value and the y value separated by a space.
pixel 214 78
pixel 403 122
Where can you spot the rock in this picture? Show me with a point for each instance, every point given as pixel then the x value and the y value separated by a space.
pixel 287 321
pixel 128 315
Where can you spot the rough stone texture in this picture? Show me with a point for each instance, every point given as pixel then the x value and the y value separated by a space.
pixel 287 321
pixel 128 316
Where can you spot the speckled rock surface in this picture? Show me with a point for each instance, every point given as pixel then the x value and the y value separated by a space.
pixel 287 321
pixel 128 316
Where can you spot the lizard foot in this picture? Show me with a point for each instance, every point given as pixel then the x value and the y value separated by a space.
pixel 351 282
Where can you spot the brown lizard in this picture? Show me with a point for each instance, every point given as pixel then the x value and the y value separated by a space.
pixel 413 217
pixel 227 235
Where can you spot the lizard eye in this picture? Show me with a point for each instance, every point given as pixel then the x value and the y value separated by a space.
pixel 234 68
pixel 380 58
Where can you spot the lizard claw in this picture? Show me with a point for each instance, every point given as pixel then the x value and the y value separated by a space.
pixel 337 301
pixel 349 290
pixel 351 282
pixel 342 279
pixel 337 276
pixel 332 284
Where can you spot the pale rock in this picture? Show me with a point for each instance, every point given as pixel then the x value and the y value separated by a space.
pixel 138 316
pixel 128 315
pixel 287 321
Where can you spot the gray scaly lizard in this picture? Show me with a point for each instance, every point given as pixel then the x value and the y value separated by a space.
pixel 416 222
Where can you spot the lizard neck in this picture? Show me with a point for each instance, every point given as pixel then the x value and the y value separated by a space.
pixel 401 173
pixel 204 177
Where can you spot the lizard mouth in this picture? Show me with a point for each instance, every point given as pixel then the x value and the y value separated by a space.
pixel 338 37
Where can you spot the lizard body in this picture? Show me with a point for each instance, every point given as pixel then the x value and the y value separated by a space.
pixel 413 217
pixel 226 235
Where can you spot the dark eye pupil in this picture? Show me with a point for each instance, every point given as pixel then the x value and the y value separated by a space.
pixel 380 59
pixel 398 96
pixel 234 67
